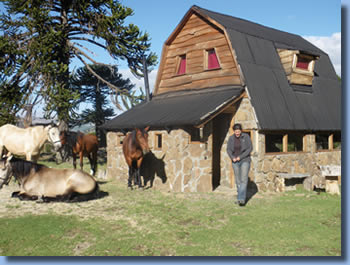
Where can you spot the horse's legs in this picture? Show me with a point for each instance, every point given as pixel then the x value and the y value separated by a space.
pixel 81 155
pixel 74 160
pixel 131 176
pixel 93 162
pixel 138 174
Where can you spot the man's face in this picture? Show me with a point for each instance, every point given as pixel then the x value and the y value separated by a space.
pixel 237 133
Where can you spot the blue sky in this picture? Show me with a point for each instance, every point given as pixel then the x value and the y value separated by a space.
pixel 319 21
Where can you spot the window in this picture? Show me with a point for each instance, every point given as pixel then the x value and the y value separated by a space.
pixel 322 141
pixel 295 142
pixel 212 61
pixel 181 68
pixel 195 136
pixel 304 63
pixel 273 143
pixel 120 139
pixel 158 141
pixel 337 141
pixel 292 142
pixel 328 141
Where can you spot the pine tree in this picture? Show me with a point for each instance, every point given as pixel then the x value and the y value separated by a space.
pixel 92 90
pixel 49 34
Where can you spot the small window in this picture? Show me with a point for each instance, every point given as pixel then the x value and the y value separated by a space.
pixel 158 141
pixel 120 139
pixel 195 135
pixel 322 141
pixel 303 62
pixel 337 141
pixel 273 143
pixel 181 69
pixel 295 142
pixel 212 60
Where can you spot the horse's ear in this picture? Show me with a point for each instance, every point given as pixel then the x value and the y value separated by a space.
pixel 146 129
pixel 163 157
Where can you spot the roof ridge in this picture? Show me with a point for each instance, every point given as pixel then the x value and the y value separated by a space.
pixel 200 10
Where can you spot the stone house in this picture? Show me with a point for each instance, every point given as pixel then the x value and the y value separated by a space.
pixel 216 70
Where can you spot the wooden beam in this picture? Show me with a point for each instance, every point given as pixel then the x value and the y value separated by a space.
pixel 285 143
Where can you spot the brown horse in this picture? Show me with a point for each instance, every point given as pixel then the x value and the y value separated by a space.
pixel 83 145
pixel 38 182
pixel 135 146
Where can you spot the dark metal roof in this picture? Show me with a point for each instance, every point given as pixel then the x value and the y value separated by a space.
pixel 279 105
pixel 174 109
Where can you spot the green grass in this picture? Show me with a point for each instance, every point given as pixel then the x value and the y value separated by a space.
pixel 150 222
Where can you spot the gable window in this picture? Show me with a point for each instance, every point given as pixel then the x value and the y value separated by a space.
pixel 212 61
pixel 303 62
pixel 181 68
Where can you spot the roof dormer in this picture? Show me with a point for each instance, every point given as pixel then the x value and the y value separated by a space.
pixel 299 66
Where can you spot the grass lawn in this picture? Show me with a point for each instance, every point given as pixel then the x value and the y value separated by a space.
pixel 150 222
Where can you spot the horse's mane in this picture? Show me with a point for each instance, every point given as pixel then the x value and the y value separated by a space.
pixel 21 168
pixel 72 137
pixel 133 137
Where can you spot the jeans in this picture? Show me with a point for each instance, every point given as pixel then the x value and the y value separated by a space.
pixel 241 170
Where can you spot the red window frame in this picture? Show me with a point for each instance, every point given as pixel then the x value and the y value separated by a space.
pixel 181 70
pixel 213 61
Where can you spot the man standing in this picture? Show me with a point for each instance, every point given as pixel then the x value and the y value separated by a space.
pixel 239 147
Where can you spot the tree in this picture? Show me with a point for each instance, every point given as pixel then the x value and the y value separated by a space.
pixel 49 34
pixel 92 90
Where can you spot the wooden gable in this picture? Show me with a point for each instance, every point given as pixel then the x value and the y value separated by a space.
pixel 191 42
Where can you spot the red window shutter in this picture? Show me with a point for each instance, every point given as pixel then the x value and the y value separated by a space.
pixel 303 63
pixel 182 65
pixel 213 61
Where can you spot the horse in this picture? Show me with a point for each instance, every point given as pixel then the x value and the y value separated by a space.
pixel 83 145
pixel 135 146
pixel 28 142
pixel 38 182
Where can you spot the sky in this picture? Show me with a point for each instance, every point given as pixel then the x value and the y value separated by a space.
pixel 317 20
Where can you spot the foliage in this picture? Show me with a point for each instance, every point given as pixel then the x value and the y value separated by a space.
pixel 95 92
pixel 42 37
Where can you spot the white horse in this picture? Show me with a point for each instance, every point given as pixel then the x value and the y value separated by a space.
pixel 28 142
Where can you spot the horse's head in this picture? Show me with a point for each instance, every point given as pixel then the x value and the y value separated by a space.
pixel 5 171
pixel 63 137
pixel 54 137
pixel 142 139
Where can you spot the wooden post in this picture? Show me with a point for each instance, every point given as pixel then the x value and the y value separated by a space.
pixel 285 143
pixel 330 142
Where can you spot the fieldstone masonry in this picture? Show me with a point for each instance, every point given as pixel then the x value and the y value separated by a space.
pixel 185 166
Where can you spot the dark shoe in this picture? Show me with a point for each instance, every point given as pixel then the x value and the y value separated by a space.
pixel 241 203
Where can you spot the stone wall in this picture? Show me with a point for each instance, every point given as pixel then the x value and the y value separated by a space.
pixel 179 165
pixel 185 166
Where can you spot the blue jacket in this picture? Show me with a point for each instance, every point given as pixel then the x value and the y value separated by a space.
pixel 246 147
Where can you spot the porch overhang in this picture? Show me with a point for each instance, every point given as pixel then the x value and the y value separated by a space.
pixel 177 109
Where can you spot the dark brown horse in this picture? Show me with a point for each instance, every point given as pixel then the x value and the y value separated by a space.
pixel 135 146
pixel 38 182
pixel 82 145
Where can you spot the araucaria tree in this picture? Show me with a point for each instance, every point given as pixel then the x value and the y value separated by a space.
pixel 95 92
pixel 48 34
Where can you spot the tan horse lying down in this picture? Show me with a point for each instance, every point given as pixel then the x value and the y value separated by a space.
pixel 38 182
pixel 28 142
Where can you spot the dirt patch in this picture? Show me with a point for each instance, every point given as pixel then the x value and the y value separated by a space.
pixel 12 207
